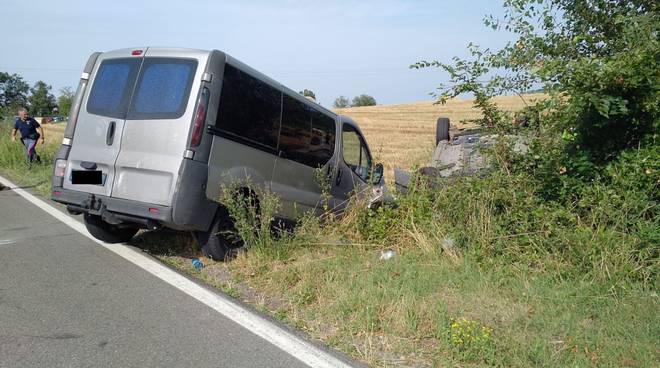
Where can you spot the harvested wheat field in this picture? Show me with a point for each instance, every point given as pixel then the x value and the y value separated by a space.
pixel 403 135
pixel 54 132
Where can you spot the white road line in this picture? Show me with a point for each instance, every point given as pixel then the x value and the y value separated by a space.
pixel 288 342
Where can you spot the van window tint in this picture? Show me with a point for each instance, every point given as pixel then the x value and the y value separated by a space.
pixel 355 152
pixel 112 87
pixel 322 143
pixel 249 110
pixel 307 136
pixel 296 130
pixel 163 88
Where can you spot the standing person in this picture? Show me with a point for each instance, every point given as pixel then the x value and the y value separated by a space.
pixel 31 133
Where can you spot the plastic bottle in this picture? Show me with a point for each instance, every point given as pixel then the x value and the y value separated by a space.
pixel 197 264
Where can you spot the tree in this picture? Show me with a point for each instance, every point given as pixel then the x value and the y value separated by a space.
pixel 41 101
pixel 597 60
pixel 308 93
pixel 341 102
pixel 13 93
pixel 65 100
pixel 363 100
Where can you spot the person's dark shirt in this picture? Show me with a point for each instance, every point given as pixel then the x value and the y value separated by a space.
pixel 27 128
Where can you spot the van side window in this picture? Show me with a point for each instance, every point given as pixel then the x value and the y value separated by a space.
pixel 355 152
pixel 249 110
pixel 296 130
pixel 307 135
pixel 163 88
pixel 112 87
pixel 322 143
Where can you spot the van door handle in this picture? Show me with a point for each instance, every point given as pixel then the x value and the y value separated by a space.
pixel 110 135
pixel 338 181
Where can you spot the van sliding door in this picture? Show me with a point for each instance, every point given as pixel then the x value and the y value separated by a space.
pixel 306 148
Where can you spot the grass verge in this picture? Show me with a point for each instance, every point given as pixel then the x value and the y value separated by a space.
pixel 13 162
pixel 484 274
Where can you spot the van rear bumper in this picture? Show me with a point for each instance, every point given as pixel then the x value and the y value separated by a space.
pixel 114 209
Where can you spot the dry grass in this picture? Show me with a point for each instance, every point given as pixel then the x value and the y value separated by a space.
pixel 403 135
pixel 54 133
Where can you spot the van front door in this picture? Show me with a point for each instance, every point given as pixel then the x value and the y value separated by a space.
pixel 97 138
pixel 354 166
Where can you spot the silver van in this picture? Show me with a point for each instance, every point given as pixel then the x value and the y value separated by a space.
pixel 155 133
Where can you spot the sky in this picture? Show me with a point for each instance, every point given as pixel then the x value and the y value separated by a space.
pixel 331 47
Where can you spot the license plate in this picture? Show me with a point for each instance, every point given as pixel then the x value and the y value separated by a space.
pixel 90 177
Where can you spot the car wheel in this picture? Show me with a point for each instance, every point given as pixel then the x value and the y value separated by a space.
pixel 219 243
pixel 442 130
pixel 106 232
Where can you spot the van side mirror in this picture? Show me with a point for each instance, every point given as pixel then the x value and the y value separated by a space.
pixel 377 177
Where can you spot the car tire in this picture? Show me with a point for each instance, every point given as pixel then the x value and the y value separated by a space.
pixel 106 232
pixel 217 243
pixel 442 130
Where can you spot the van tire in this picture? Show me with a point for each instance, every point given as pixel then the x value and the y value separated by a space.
pixel 217 243
pixel 442 130
pixel 106 232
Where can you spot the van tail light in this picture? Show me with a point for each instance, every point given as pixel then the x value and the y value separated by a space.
pixel 200 118
pixel 60 168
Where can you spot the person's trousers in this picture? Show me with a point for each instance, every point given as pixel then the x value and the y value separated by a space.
pixel 31 148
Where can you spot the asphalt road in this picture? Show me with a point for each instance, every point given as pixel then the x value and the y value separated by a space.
pixel 66 301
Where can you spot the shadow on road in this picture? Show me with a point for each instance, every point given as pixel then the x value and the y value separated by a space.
pixel 166 242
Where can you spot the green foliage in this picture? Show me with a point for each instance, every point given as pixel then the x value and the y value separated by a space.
pixel 467 78
pixel 41 101
pixel 533 281
pixel 252 209
pixel 13 93
pixel 609 234
pixel 341 102
pixel 308 93
pixel 583 200
pixel 596 59
pixel 377 226
pixel 363 100
pixel 65 100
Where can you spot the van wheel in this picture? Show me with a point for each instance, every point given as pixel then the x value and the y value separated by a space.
pixel 106 232
pixel 218 243
pixel 442 130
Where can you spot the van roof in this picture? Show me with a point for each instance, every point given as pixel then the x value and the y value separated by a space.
pixel 183 52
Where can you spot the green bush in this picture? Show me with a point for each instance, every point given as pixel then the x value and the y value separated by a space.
pixel 610 235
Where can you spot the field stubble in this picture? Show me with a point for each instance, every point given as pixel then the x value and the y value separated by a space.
pixel 403 135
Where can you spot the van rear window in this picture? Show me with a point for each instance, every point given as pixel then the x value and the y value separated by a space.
pixel 112 87
pixel 163 88
pixel 161 91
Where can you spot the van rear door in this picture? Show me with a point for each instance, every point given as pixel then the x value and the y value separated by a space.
pixel 97 138
pixel 157 125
